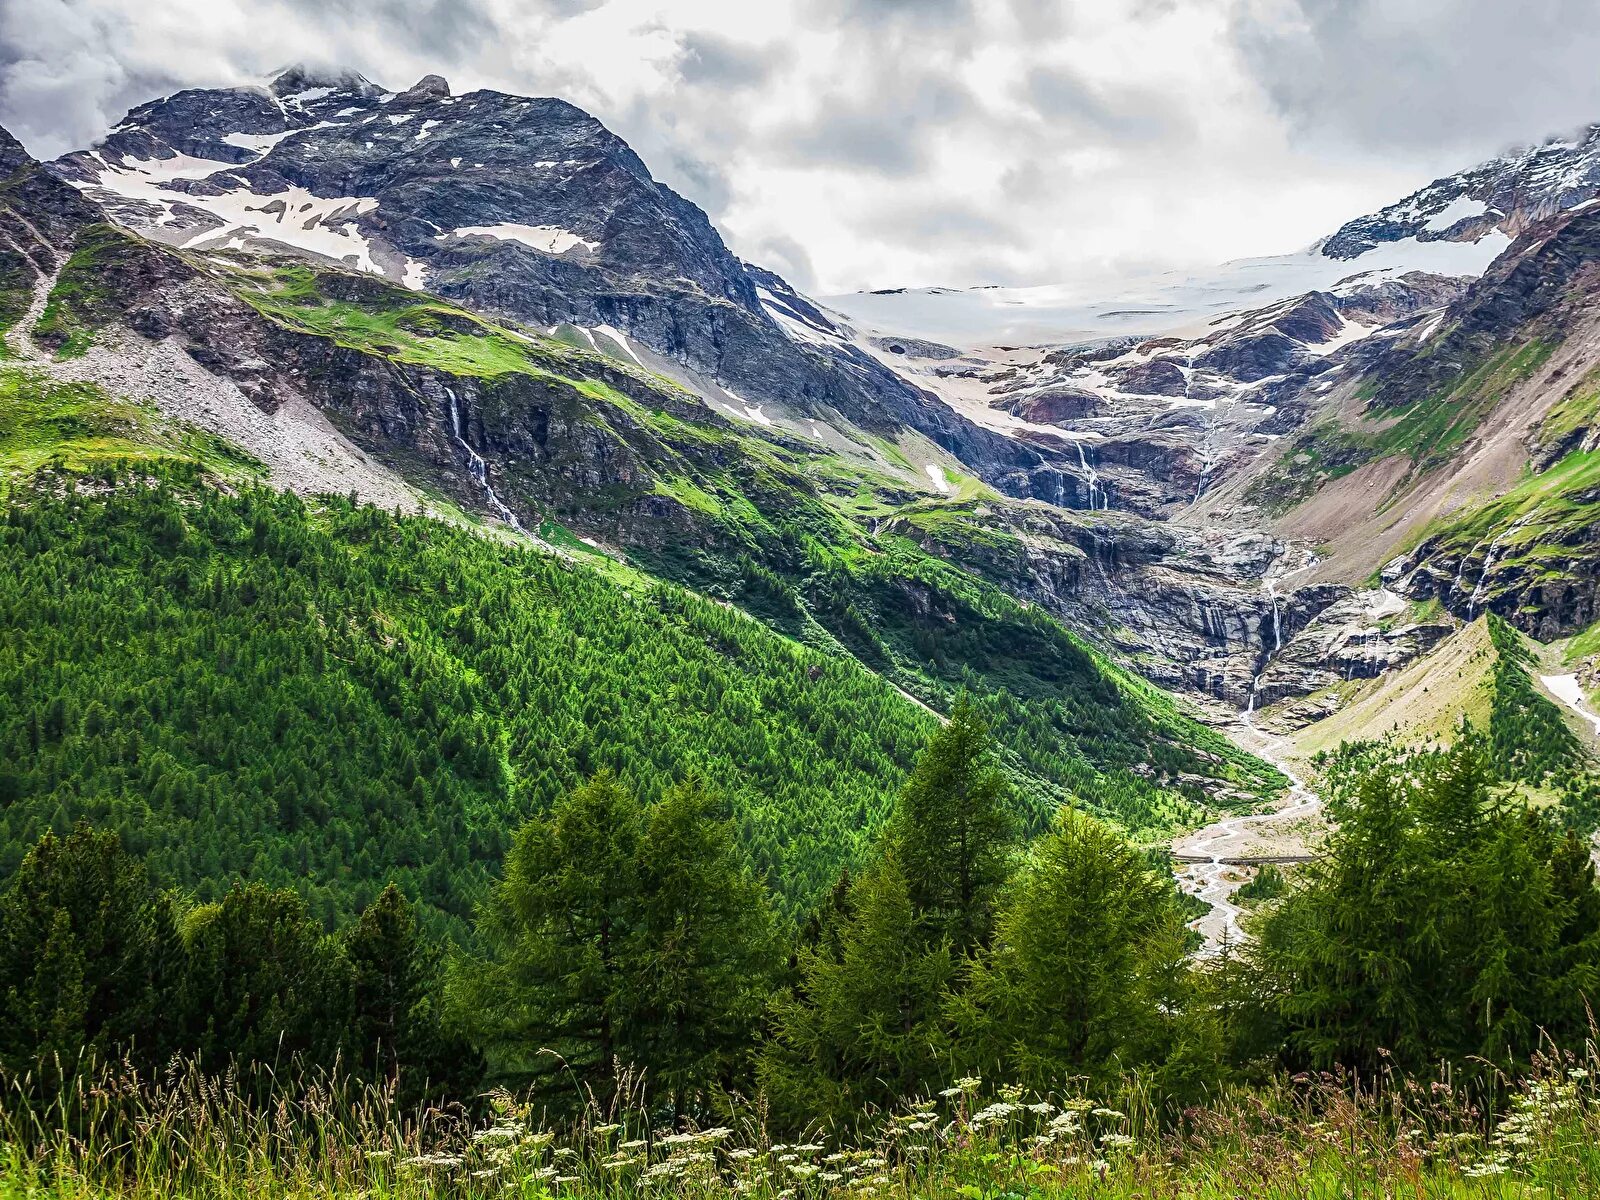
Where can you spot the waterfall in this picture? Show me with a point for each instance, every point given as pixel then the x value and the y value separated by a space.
pixel 1269 585
pixel 1488 564
pixel 1092 477
pixel 480 469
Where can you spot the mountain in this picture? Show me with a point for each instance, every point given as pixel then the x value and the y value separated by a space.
pixel 1504 195
pixel 558 454
pixel 486 304
pixel 1455 457
pixel 1454 226
pixel 524 208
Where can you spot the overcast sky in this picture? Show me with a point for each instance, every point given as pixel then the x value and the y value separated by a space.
pixel 870 143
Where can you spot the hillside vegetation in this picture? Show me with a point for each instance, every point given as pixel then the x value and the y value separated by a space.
pixel 332 696
pixel 800 537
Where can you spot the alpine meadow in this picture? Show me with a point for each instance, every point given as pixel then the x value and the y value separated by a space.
pixel 885 640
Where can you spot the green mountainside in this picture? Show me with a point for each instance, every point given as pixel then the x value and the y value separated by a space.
pixel 324 695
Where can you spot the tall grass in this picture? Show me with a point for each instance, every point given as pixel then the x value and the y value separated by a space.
pixel 108 1132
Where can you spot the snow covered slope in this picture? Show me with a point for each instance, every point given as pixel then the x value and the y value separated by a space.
pixel 1454 226
pixel 1172 302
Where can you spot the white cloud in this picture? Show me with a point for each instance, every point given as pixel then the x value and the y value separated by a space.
pixel 879 142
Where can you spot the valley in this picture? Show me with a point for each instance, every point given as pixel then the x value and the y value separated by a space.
pixel 471 630
pixel 1125 475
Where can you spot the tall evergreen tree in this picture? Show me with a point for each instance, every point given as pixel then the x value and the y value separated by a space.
pixel 1443 921
pixel 1087 973
pixel 89 955
pixel 954 832
pixel 268 985
pixel 703 948
pixel 865 1020
pixel 550 993
pixel 398 1032
pixel 865 1024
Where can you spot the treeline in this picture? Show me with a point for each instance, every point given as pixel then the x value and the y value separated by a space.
pixel 628 954
pixel 1530 741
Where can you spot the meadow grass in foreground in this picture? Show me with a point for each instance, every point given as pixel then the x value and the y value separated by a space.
pixel 187 1135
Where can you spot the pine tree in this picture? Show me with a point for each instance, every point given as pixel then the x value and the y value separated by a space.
pixel 266 984
pixel 865 1023
pixel 1443 921
pixel 954 832
pixel 1087 967
pixel 550 993
pixel 702 953
pixel 89 955
pixel 398 1032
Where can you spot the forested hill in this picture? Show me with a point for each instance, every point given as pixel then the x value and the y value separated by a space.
pixel 329 696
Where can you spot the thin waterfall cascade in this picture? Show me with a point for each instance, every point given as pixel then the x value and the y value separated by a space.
pixel 1098 497
pixel 1489 559
pixel 480 469
pixel 1269 585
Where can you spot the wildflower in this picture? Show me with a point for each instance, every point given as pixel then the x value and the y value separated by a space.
pixel 803 1170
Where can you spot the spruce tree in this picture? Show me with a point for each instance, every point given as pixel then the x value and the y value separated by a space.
pixel 89 956
pixel 865 1020
pixel 1444 921
pixel 550 993
pixel 954 832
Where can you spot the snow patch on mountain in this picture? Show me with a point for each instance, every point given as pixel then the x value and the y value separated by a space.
pixel 1457 210
pixel 550 239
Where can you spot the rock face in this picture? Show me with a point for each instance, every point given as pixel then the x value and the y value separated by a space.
pixel 526 208
pixel 1162 421
pixel 1504 195
pixel 39 220
pixel 1192 608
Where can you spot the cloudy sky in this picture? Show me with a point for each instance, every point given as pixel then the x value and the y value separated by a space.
pixel 869 143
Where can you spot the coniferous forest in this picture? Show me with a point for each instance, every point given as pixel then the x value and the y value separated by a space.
pixel 503 695
pixel 355 805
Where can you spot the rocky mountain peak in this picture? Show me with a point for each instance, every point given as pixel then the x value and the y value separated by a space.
pixel 1498 198
pixel 429 87
pixel 299 79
